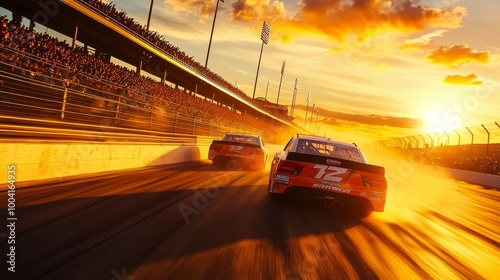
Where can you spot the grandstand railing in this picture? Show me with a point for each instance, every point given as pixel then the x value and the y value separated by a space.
pixel 40 96
pixel 152 44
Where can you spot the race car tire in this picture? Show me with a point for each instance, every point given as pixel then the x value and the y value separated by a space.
pixel 216 162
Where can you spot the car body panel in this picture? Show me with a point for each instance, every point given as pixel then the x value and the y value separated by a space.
pixel 328 174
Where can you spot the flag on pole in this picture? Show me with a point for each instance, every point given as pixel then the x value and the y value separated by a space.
pixel 266 31
pixel 283 68
pixel 296 87
pixel 308 96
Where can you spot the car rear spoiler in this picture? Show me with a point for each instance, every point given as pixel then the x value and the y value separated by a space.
pixel 221 142
pixel 374 169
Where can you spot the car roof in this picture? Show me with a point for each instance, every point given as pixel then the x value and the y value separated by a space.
pixel 242 134
pixel 324 138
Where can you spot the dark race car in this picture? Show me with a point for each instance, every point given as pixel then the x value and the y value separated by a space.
pixel 238 151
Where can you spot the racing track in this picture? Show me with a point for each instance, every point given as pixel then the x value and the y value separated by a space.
pixel 128 225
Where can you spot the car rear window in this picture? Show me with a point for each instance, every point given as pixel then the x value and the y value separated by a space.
pixel 242 139
pixel 330 149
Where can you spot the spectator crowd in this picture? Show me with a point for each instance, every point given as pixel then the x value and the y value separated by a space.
pixel 40 56
pixel 456 157
pixel 109 11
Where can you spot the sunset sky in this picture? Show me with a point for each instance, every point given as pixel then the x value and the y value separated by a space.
pixel 400 66
pixel 395 64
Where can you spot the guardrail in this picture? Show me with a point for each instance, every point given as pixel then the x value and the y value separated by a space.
pixel 26 93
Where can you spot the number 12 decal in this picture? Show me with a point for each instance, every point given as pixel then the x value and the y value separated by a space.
pixel 235 149
pixel 330 176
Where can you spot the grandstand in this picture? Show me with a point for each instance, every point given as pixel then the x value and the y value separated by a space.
pixel 43 77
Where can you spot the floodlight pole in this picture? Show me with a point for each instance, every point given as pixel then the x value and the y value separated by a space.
pixel 295 88
pixel 258 67
pixel 264 36
pixel 267 88
pixel 307 109
pixel 281 79
pixel 212 33
pixel 149 16
pixel 312 115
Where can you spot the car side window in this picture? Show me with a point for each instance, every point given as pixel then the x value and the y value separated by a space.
pixel 288 145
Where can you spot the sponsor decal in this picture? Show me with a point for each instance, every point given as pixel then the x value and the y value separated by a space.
pixel 236 155
pixel 282 179
pixel 333 162
pixel 330 183
pixel 331 188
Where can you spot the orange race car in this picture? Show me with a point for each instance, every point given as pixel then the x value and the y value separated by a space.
pixel 333 171
pixel 238 151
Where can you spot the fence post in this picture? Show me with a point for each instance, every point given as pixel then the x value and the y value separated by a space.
pixel 194 125
pixel 487 144
pixel 402 143
pixel 423 145
pixel 175 121
pixel 64 103
pixel 151 118
pixel 447 139
pixel 472 142
pixel 432 140
pixel 458 136
pixel 416 140
pixel 118 108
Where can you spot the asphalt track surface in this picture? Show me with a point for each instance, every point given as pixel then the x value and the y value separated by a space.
pixel 191 221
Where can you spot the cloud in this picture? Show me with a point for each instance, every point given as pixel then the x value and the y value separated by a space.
pixel 347 21
pixel 423 41
pixel 341 119
pixel 258 10
pixel 457 55
pixel 470 79
pixel 202 8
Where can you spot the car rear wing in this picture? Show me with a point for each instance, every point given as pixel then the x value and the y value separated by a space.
pixel 365 167
pixel 221 142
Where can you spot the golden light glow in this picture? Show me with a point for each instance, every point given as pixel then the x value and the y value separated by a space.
pixel 437 121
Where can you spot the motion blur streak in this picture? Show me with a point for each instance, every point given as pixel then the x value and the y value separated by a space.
pixel 93 226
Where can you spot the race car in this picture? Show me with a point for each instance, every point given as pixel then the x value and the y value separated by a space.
pixel 335 172
pixel 238 151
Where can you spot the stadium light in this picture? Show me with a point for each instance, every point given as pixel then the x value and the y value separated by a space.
pixel 212 33
pixel 264 36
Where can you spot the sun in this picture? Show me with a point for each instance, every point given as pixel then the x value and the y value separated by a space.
pixel 439 121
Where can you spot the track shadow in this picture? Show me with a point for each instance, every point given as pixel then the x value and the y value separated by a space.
pixel 92 225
